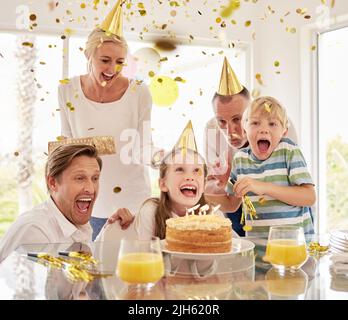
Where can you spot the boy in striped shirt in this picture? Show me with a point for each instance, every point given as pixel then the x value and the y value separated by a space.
pixel 271 171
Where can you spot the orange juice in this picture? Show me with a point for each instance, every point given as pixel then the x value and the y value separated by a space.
pixel 285 252
pixel 140 267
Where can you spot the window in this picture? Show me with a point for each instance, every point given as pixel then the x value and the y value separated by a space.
pixel 46 126
pixel 333 129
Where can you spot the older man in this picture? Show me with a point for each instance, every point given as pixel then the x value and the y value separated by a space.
pixel 72 178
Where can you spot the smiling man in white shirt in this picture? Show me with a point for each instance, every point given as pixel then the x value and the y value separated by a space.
pixel 72 178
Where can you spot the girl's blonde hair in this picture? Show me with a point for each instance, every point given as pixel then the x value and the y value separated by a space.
pixel 163 203
pixel 269 107
pixel 96 38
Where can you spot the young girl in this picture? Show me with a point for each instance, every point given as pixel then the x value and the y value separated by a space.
pixel 181 182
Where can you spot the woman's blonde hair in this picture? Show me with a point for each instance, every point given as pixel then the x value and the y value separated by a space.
pixel 96 38
pixel 269 107
pixel 163 202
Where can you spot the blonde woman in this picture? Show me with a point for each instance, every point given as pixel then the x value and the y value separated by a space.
pixel 105 103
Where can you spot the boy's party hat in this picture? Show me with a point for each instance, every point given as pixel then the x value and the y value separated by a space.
pixel 229 83
pixel 113 22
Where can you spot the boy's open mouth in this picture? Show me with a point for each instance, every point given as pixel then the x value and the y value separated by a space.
pixel 188 190
pixel 263 145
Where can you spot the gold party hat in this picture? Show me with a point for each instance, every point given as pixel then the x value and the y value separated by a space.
pixel 229 83
pixel 113 22
pixel 187 139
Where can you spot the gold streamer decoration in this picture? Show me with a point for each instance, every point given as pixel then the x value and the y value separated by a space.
pixel 80 268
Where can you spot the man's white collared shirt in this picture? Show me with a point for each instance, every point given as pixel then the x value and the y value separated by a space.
pixel 43 224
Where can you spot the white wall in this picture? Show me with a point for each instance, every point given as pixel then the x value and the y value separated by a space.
pixel 266 33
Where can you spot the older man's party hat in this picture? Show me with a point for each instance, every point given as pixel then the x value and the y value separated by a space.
pixel 113 22
pixel 229 83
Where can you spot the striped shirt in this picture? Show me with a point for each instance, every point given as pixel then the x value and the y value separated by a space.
pixel 285 167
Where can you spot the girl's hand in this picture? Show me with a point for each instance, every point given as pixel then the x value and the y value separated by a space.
pixel 124 216
pixel 245 185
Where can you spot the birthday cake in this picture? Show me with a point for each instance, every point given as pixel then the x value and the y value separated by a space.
pixel 208 233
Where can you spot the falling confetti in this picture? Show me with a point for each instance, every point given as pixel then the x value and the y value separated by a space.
pixel 276 63
pixel 117 189
pixel 233 6
pixel 258 77
pixel 179 79
pixel 32 17
pixel 247 23
pixel 64 81
pixel 27 44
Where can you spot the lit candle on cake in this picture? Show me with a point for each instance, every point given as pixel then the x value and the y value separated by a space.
pixel 203 210
pixel 192 210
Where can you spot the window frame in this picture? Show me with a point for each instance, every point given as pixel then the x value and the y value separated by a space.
pixel 310 110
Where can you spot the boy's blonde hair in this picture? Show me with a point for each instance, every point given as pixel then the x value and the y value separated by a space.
pixel 269 107
pixel 96 38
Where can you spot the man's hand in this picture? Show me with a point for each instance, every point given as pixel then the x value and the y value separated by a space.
pixel 124 216
pixel 218 175
pixel 245 185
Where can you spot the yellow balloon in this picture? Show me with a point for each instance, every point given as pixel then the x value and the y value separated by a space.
pixel 164 91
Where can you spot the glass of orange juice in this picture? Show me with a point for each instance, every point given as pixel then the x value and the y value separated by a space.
pixel 286 248
pixel 140 262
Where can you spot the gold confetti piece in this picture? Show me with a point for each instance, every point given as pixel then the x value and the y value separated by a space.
pixel 160 80
pixel 118 67
pixel 179 79
pixel 32 17
pixel 262 201
pixel 268 107
pixel 142 12
pixel 227 11
pixel 68 12
pixel 27 44
pixel 276 63
pixel 258 77
pixel 141 5
pixel 218 20
pixel 60 138
pixel 307 17
pixel 332 3
pixel 234 22
pixel 255 93
pixel 313 48
pixel 117 189
pixel 163 59
pixel 151 74
pixel 68 31
pixel 16 153
pixel 173 4
pixel 247 228
pixel 42 62
pixel 247 23
pixel 301 10
pixel 64 81
pixel 90 129
pixel 173 13
pixel 317 250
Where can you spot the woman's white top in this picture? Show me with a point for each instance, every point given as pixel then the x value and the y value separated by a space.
pixel 128 121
